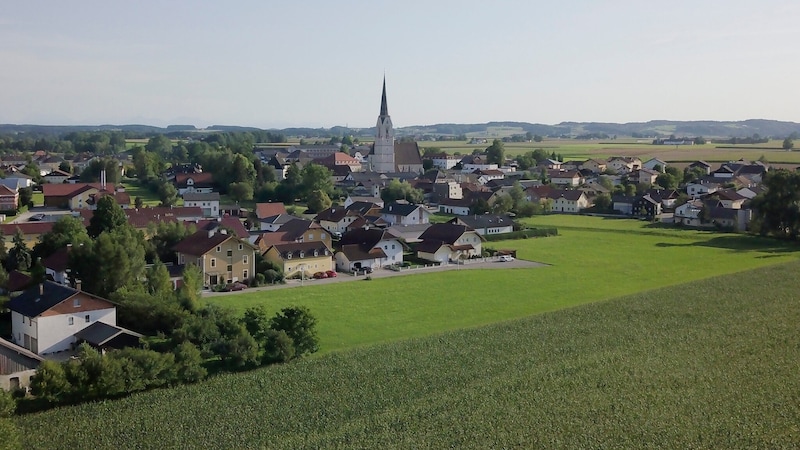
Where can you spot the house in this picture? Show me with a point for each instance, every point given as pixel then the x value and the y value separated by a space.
pixel 624 164
pixel 72 195
pixel 459 207
pixel 9 199
pixel 17 366
pixel 47 317
pixel 443 190
pixel 471 163
pixel 336 219
pixel 623 204
pixel 301 230
pixel 645 176
pixel 689 213
pixel 122 198
pixel 571 178
pixel 702 165
pixel 646 206
pixel 274 223
pixel 445 242
pixel 700 188
pixel 221 256
pixel 340 159
pixel 356 199
pixel 750 192
pixel 369 248
pixel 550 164
pixel 486 224
pixel 298 259
pixel 486 175
pixel 264 210
pixel 655 164
pixel 17 181
pixel 202 182
pixel 404 213
pixel 444 161
pixel 31 232
pixel 56 177
pixel 594 166
pixel 408 233
pixel 730 198
pixel 569 201
pixel 208 202
pixel 56 265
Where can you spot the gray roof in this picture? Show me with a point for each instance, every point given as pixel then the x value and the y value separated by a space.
pixel 33 302
pixel 199 197
pixel 99 333
pixel 485 221
pixel 400 209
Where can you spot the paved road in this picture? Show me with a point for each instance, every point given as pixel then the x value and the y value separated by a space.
pixel 488 263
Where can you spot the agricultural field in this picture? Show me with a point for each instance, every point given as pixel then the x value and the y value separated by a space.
pixel 592 259
pixel 707 364
pixel 572 149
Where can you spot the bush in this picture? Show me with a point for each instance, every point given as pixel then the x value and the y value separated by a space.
pixel 523 234
pixel 278 348
pixel 9 435
pixel 7 404
pixel 299 324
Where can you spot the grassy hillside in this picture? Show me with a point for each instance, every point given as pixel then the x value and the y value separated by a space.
pixel 708 364
pixel 593 259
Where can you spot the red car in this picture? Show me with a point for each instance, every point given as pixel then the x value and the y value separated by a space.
pixel 235 287
pixel 320 275
pixel 331 274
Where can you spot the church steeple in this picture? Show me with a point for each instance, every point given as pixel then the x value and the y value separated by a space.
pixel 384 107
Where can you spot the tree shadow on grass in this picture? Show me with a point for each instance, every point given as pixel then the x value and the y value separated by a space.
pixel 742 243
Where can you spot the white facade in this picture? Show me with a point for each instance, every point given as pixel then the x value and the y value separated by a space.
pixel 457 210
pixel 698 189
pixel 417 217
pixel 55 333
pixel 470 168
pixel 210 207
pixel 445 162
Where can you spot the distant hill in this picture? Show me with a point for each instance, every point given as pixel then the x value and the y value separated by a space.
pixel 653 128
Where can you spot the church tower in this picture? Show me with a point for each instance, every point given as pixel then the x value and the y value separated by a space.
pixel 382 159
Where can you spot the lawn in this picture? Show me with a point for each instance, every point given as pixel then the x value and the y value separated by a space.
pixel 707 364
pixel 592 259
pixel 134 189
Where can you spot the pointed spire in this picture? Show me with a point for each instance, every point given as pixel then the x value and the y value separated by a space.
pixel 384 107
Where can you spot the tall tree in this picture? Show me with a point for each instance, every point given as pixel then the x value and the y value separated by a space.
pixel 316 178
pixel 496 153
pixel 318 201
pixel 67 230
pixel 777 211
pixel 107 217
pixel 299 324
pixel 19 257
pixel 115 259
pixel 401 190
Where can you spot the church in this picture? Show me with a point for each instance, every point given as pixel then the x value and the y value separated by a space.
pixel 387 155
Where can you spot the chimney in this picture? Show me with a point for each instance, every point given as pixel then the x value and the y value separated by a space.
pixel 41 288
pixel 77 284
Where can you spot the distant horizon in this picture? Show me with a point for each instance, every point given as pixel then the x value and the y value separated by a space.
pixel 278 128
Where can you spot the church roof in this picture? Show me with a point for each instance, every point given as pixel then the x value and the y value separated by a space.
pixel 384 106
pixel 406 154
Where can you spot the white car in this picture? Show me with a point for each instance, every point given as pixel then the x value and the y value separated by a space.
pixel 505 258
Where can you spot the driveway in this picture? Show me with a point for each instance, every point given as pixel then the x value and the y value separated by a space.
pixel 483 263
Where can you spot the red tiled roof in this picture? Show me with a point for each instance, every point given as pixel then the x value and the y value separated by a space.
pixel 63 190
pixel 201 179
pixel 233 223
pixel 201 243
pixel 27 228
pixel 264 210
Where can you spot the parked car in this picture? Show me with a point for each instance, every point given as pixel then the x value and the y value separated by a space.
pixel 235 287
pixel 505 258
pixel 36 218
pixel 365 270
pixel 331 274
pixel 320 275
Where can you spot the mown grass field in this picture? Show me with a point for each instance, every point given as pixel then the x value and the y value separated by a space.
pixel 592 259
pixel 707 364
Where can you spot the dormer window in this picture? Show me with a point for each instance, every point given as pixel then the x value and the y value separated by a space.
pixel 289 255
pixel 76 303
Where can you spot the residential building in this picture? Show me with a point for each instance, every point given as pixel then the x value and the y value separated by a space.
pixel 202 182
pixel 17 366
pixel 369 248
pixel 404 213
pixel 9 199
pixel 569 201
pixel 208 202
pixel 445 242
pixel 221 256
pixel 300 259
pixel 486 224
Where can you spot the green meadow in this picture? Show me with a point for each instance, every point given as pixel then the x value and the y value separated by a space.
pixel 592 259
pixel 710 363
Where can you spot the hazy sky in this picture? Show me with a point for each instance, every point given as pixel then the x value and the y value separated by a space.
pixel 318 63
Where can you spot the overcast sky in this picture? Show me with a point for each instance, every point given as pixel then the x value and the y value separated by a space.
pixel 321 63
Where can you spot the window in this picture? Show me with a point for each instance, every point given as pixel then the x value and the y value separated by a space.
pixel 213 262
pixel 219 249
pixel 392 246
pixel 310 236
pixel 244 259
pixel 76 303
pixel 71 320
pixel 230 253
pixel 244 274
pixel 229 268
pixel 241 247
pixel 87 318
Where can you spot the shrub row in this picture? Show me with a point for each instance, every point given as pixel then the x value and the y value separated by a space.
pixel 524 234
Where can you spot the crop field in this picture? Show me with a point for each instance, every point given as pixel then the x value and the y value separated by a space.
pixel 707 364
pixel 572 149
pixel 592 259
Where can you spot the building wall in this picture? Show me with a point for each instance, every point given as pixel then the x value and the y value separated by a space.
pixel 442 255
pixel 309 263
pixel 210 208
pixel 80 201
pixel 393 250
pixel 457 210
pixel 23 378
pixel 53 332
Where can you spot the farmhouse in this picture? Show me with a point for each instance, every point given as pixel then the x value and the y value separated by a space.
pixel 569 201
pixel 208 202
pixel 404 213
pixel 202 182
pixel 17 366
pixel 72 196
pixel 369 248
